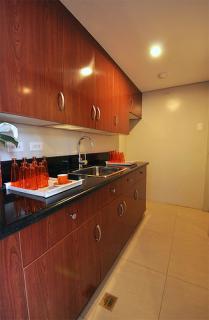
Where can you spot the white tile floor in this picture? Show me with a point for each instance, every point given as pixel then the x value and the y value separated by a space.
pixel 163 273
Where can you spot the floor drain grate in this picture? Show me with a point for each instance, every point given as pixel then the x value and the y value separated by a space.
pixel 108 301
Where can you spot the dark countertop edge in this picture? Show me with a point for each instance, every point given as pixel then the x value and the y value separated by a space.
pixel 27 221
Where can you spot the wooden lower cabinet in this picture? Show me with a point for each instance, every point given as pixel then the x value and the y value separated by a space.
pixel 52 283
pixel 113 235
pixel 61 281
pixel 52 268
pixel 135 204
pixel 12 292
pixel 88 239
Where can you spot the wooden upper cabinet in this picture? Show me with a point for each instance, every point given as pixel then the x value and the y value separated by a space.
pixel 79 86
pixel 135 102
pixel 104 72
pixel 52 69
pixel 31 58
pixel 121 103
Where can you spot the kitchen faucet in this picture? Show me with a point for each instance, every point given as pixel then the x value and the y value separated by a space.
pixel 81 161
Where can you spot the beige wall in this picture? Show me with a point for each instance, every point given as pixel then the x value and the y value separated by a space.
pixel 173 137
pixel 56 142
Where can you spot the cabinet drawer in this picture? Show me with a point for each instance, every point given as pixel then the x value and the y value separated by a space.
pixel 34 241
pixel 141 173
pixel 112 191
pixel 113 228
pixel 133 177
pixel 40 236
pixel 71 217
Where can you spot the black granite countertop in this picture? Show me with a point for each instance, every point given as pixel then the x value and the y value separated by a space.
pixel 19 210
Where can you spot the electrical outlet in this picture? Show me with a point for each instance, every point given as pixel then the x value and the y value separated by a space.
pixel 36 146
pixel 12 148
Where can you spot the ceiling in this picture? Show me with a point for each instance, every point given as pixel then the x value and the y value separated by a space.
pixel 127 28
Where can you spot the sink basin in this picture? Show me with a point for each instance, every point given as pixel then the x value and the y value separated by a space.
pixel 99 171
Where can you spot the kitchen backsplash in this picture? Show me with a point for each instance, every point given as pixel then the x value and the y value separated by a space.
pixel 55 142
pixel 59 164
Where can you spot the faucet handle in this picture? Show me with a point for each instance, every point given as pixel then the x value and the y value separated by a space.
pixel 83 162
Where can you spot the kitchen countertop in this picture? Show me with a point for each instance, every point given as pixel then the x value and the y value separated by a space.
pixel 19 210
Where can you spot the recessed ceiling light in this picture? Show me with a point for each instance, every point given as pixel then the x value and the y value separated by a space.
pixel 155 51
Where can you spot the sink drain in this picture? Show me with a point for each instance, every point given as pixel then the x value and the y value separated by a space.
pixel 108 301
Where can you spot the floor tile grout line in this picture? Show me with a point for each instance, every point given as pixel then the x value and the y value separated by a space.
pixel 188 282
pixel 166 275
pixel 144 266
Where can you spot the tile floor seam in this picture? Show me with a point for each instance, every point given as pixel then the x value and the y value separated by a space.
pixel 158 232
pixel 191 283
pixel 166 274
pixel 144 266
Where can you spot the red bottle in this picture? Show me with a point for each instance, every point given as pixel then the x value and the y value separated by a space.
pixel 33 177
pixel 15 174
pixel 43 178
pixel 46 167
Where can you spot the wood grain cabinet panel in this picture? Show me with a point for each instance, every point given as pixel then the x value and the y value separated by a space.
pixel 12 291
pixel 104 72
pixel 121 103
pixel 113 235
pixel 42 60
pixel 88 239
pixel 64 258
pixel 79 53
pixel 135 101
pixel 34 241
pixel 62 280
pixel 72 216
pixel 31 58
pixel 52 283
pixel 136 105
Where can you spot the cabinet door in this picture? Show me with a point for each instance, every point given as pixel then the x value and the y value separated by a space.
pixel 135 102
pixel 79 74
pixel 113 235
pixel 121 103
pixel 52 283
pixel 136 204
pixel 12 292
pixel 133 215
pixel 104 71
pixel 88 239
pixel 31 58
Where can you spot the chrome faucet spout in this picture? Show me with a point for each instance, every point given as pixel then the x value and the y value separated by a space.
pixel 83 161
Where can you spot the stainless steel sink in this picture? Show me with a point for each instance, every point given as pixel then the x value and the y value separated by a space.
pixel 99 171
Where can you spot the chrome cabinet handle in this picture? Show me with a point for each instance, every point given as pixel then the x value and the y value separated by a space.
pixel 73 215
pixel 93 112
pixel 125 206
pixel 121 209
pixel 98 114
pixel 113 190
pixel 61 101
pixel 116 120
pixel 136 194
pixel 131 101
pixel 99 233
